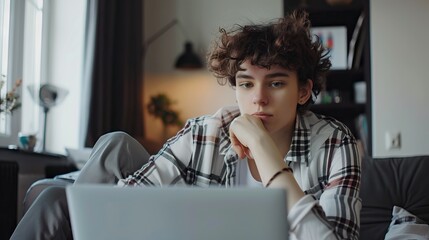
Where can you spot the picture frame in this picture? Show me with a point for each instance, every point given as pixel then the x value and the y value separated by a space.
pixel 334 39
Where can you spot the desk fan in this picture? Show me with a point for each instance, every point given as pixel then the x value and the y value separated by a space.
pixel 49 96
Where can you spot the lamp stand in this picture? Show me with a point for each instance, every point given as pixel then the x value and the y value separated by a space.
pixel 45 119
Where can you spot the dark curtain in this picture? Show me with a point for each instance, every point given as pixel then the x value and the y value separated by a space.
pixel 116 101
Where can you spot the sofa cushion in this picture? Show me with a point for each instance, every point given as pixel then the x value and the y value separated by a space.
pixel 392 182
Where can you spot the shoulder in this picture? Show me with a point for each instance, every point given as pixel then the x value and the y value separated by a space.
pixel 325 125
pixel 221 118
pixel 201 130
pixel 207 126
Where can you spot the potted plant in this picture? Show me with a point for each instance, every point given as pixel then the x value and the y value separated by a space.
pixel 160 106
pixel 10 101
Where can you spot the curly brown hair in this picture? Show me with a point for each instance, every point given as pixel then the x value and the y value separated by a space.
pixel 287 42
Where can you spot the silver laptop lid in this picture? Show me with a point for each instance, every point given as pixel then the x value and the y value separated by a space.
pixel 107 212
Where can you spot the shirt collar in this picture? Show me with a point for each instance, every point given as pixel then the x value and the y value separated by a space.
pixel 300 146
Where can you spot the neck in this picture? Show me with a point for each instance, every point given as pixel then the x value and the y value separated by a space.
pixel 283 138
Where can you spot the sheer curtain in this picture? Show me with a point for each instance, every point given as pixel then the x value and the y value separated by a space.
pixel 114 69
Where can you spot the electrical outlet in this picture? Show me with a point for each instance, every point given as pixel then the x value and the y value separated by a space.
pixel 393 141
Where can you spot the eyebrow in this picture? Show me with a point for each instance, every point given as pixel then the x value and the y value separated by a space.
pixel 271 75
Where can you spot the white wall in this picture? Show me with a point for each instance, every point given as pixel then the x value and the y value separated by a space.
pixel 195 93
pixel 64 69
pixel 400 80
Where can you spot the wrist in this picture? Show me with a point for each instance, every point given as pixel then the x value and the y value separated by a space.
pixel 274 177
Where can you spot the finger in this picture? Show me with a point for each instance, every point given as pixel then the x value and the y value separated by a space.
pixel 238 149
pixel 237 146
pixel 248 153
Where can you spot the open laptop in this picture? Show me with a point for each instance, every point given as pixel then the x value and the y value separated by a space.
pixel 109 212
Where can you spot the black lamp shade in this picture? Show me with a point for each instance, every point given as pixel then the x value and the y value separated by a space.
pixel 188 59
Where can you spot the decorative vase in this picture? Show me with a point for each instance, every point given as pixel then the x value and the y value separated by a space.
pixel 27 141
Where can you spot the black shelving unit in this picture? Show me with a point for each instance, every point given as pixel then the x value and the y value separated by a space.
pixel 347 111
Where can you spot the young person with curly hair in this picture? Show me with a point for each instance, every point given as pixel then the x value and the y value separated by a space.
pixel 270 139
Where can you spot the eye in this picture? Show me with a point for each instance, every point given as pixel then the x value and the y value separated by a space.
pixel 277 84
pixel 245 85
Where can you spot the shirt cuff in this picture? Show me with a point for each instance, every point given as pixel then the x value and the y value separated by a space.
pixel 300 210
pixel 121 183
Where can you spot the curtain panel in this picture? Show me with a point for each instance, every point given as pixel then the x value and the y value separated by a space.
pixel 116 100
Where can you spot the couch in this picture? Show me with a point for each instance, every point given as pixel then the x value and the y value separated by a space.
pixel 390 182
pixel 386 183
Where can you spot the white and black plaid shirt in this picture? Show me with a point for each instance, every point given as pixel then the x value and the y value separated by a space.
pixel 323 156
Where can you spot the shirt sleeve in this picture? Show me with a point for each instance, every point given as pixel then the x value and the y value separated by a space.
pixel 168 166
pixel 336 215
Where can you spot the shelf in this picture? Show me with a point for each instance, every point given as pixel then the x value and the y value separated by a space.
pixel 346 73
pixel 343 79
pixel 342 82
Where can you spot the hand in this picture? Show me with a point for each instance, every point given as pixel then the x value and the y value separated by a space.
pixel 243 131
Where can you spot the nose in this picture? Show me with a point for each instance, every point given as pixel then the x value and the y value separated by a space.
pixel 260 97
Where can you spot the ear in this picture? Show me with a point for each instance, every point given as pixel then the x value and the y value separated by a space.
pixel 305 92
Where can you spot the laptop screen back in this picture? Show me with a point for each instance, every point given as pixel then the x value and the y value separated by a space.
pixel 107 212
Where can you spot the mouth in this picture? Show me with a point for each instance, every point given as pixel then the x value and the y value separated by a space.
pixel 263 116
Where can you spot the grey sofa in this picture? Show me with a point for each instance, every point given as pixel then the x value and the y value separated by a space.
pixel 385 183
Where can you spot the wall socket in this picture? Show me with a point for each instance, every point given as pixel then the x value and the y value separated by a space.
pixel 393 140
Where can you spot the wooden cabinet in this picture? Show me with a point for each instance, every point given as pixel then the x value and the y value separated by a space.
pixel 340 102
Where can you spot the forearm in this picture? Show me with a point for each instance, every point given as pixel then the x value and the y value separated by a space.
pixel 307 214
pixel 269 161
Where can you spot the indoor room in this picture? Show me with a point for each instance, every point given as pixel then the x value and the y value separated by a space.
pixel 75 70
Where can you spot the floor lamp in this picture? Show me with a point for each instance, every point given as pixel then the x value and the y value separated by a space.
pixel 48 97
pixel 187 60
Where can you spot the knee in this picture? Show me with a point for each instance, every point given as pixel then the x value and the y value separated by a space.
pixel 117 137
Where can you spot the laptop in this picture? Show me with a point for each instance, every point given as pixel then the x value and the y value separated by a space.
pixel 110 212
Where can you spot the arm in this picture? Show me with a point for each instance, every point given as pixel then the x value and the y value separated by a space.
pixel 336 215
pixel 250 138
pixel 167 167
pixel 191 157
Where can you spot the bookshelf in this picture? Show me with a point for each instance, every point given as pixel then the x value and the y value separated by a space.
pixel 340 83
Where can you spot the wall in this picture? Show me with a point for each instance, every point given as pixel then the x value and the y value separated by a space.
pixel 195 93
pixel 400 82
pixel 64 69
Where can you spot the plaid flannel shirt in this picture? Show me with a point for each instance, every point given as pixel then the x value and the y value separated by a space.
pixel 323 156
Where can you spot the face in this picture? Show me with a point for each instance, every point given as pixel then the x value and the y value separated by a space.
pixel 271 95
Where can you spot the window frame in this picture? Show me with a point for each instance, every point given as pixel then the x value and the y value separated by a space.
pixel 19 68
pixel 14 67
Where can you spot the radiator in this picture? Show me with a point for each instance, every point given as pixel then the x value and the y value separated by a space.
pixel 8 198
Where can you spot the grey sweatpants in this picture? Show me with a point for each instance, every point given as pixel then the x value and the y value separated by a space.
pixel 115 156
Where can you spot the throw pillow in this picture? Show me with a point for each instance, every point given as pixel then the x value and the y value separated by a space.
pixel 405 225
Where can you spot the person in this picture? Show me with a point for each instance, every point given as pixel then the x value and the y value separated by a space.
pixel 270 139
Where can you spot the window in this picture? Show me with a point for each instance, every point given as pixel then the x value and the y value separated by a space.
pixel 4 56
pixel 21 30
